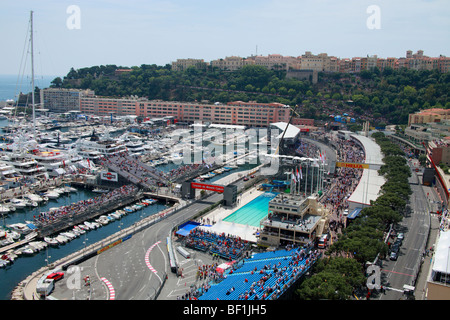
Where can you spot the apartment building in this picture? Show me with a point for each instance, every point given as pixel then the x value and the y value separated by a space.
pixel 183 64
pixel 232 63
pixel 277 62
pixel 313 62
pixel 429 116
pixel 251 114
pixel 324 63
pixel 63 100
pixel 105 106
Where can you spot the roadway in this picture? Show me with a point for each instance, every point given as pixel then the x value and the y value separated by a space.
pixel 416 226
pixel 136 268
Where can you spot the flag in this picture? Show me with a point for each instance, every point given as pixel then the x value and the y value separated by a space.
pixel 293 176
pixel 298 175
pixel 301 174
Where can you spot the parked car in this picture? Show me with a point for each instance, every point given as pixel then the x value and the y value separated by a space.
pixel 394 255
pixel 401 236
pixel 394 247
pixel 56 276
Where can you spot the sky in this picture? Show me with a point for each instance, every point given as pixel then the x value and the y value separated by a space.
pixel 135 32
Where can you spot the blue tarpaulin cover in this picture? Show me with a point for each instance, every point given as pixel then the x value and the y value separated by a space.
pixel 186 228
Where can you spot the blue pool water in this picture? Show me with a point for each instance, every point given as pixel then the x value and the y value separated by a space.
pixel 252 212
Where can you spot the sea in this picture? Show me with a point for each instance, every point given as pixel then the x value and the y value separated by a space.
pixel 12 85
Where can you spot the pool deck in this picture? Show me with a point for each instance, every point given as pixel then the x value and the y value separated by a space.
pixel 216 217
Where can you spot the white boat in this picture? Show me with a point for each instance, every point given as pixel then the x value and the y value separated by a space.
pixel 52 194
pixel 4 209
pixel 89 225
pixel 13 234
pixel 79 229
pixel 60 190
pixel 71 189
pixel 4 263
pixel 68 235
pixel 36 245
pixel 28 250
pixel 34 197
pixel 18 203
pixel 61 239
pixel 98 190
pixel 20 228
pixel 51 241
pixel 115 215
pixel 103 220
pixel 96 225
pixel 83 226
pixel 31 203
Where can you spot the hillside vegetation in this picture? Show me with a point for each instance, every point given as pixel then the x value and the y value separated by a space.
pixel 385 97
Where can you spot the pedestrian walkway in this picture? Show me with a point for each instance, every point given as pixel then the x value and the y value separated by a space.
pixel 421 283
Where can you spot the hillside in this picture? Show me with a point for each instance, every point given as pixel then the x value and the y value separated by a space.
pixel 381 97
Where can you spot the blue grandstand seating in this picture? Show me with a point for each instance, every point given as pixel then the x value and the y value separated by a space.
pixel 268 273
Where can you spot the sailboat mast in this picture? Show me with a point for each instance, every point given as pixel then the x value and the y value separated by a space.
pixel 32 73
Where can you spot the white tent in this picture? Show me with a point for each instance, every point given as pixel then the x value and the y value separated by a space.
pixel 441 256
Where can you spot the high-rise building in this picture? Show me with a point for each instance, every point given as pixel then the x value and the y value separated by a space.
pixel 251 114
pixel 63 100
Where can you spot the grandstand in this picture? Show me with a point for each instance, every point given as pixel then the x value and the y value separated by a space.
pixel 264 276
pixel 226 246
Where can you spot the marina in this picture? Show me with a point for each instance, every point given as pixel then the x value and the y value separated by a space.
pixel 41 177
pixel 40 253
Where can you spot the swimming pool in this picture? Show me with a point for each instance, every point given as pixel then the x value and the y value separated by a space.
pixel 252 212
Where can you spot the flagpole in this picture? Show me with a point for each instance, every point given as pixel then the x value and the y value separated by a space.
pixel 306 181
pixel 318 178
pixel 291 184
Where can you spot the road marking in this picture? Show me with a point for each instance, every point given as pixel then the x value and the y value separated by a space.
pixel 112 292
pixel 409 275
pixel 389 288
pixel 147 260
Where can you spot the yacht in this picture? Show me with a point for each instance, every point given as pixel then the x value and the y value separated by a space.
pixel 55 162
pixel 18 203
pixel 61 239
pixel 51 194
pixel 30 203
pixel 21 228
pixel 51 241
pixel 4 209
pixel 34 197
pixel 7 171
pixel 26 166
pixel 94 148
